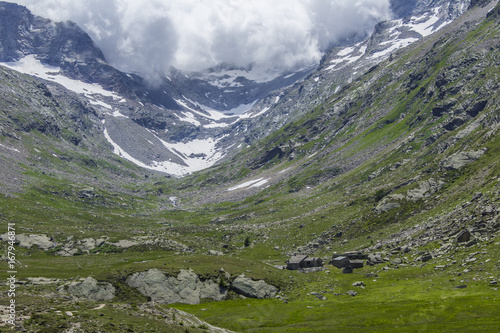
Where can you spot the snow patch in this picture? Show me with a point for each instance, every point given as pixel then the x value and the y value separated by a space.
pixel 32 66
pixel 251 183
pixel 9 148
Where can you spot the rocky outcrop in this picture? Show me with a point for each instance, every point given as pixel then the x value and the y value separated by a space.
pixel 90 289
pixel 185 288
pixel 254 289
pixel 458 160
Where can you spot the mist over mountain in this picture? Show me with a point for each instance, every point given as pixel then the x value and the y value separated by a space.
pixel 150 37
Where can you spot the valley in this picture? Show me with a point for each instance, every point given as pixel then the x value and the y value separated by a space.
pixel 131 215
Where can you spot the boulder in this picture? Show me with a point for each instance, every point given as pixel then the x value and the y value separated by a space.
pixel 124 243
pixel 389 202
pixel 186 288
pixel 44 242
pixel 426 189
pixel 375 258
pixel 91 289
pixel 254 289
pixel 458 160
pixel 463 236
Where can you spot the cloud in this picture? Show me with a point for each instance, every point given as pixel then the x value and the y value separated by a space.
pixel 148 37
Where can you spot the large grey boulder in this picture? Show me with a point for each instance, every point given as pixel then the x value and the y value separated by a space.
pixel 458 160
pixel 186 288
pixel 91 289
pixel 254 289
pixel 389 202
pixel 44 242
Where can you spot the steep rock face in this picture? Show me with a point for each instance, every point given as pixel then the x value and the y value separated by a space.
pixel 404 8
pixel 23 33
pixel 66 46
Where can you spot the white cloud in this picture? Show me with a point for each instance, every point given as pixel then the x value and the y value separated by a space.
pixel 148 36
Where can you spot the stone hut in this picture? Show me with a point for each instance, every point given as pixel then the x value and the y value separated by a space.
pixel 340 262
pixel 303 261
pixel 294 263
pixel 312 262
pixel 356 263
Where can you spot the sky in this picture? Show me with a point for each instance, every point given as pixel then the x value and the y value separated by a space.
pixel 149 36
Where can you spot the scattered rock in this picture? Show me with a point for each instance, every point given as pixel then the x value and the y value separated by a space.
pixel 359 284
pixel 352 293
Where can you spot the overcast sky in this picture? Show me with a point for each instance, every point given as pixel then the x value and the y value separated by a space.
pixel 148 36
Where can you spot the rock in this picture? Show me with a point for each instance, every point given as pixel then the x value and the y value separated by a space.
pixel 91 289
pixel 472 242
pixel 458 160
pixel 88 193
pixel 254 289
pixel 426 189
pixel 389 202
pixel 352 293
pixel 359 284
pixel 375 258
pixel 186 288
pixel 488 210
pixel 347 270
pixel 461 287
pixel 397 261
pixel 463 236
pixel 318 295
pixel 123 243
pixel 89 244
pixel 215 253
pixel 426 257
pixel 44 242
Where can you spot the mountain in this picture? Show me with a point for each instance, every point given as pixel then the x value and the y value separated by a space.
pixel 398 167
pixel 189 121
pixel 412 21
